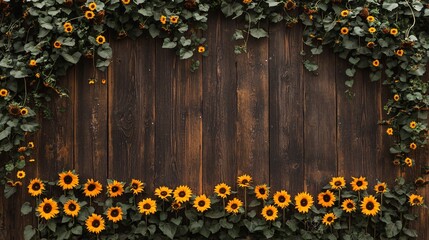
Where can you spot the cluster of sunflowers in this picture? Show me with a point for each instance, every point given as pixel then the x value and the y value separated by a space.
pixel 128 211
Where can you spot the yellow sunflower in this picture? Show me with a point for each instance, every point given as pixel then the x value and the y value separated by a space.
pixel 48 208
pixel 359 184
pixel 92 6
pixel 413 124
pixel 370 19
pixel 349 205
pixel 92 188
pixel 68 180
pixel 344 30
pixel 20 174
pixel 30 145
pixel 413 146
pixel 23 111
pixel 370 206
pixel 57 44
pixel 202 203
pixel 303 202
pixel 281 199
pixel 262 192
pixel 182 193
pixel 415 200
pixel 115 189
pixel 326 199
pixel 244 181
pixel 136 186
pixel 337 183
pixel 126 2
pixel 36 187
pixel 201 49
pixel 175 206
pixel 328 219
pixel 345 13
pixel 380 187
pixel 114 214
pixel 393 31
pixel 163 19
pixel 399 52
pixel 174 19
pixel 270 213
pixel 4 92
pixel 32 63
pixel 89 15
pixel 71 208
pixel 222 190
pixel 389 131
pixel 100 39
pixel 376 63
pixel 234 205
pixel 95 223
pixel 372 30
pixel 147 206
pixel 163 192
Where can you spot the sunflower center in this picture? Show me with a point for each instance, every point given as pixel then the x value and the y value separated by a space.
pixel 91 187
pixel 350 205
pixel 68 179
pixel 222 191
pixel 234 206
pixel 72 207
pixel 114 213
pixel 415 200
pixel 304 202
pixel 115 189
pixel 96 223
pixel 262 191
pixel 244 181
pixel 164 193
pixel 201 203
pixel 270 212
pixel 326 198
pixel 47 208
pixel 182 194
pixel 380 188
pixel 359 183
pixel 281 199
pixel 337 183
pixel 146 206
pixel 36 186
pixel 134 186
pixel 370 206
pixel 330 219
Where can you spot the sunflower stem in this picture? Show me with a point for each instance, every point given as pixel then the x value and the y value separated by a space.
pixel 245 201
pixel 350 222
pixel 283 216
pixel 223 202
pixel 339 198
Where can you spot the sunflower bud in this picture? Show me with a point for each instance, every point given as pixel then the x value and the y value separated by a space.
pixel 190 4
pixel 364 12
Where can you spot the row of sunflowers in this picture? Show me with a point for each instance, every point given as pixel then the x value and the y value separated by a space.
pixel 127 211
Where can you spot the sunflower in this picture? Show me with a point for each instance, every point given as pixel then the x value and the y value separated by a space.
pixel 89 15
pixel 370 18
pixel 380 187
pixel 376 63
pixel 328 219
pixel 281 199
pixel 289 5
pixel 222 190
pixel 415 200
pixel 389 131
pixel 57 44
pixel 174 19
pixel 359 184
pixel 95 223
pixel 68 27
pixel 22 149
pixel 337 183
pixel 270 212
pixel 247 1
pixel 413 124
pixel 399 52
pixel 234 205
pixel 136 186
pixel 37 75
pixel 326 199
pixel 147 206
pixel 68 180
pixel 348 205
pixel 244 181
pixel 32 63
pixel 23 111
pixel 182 193
pixel 126 2
pixel 92 6
pixel 409 162
pixel 114 214
pixel 48 208
pixel 3 92
pixel 396 97
pixel 163 19
pixel 344 30
pixel 262 192
pixel 413 146
pixel 36 187
pixel 345 13
pixel 20 174
pixel 370 206
pixel 372 30
pixel 393 31
pixel 303 202
pixel 163 192
pixel 202 203
pixel 92 188
pixel 30 145
pixel 201 49
pixel 370 44
pixel 115 189
pixel 100 39
pixel 175 206
pixel 71 208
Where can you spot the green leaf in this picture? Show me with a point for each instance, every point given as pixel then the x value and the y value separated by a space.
pixel 176 221
pixel 316 51
pixel 71 58
pixel 105 51
pixel 26 208
pixel 254 203
pixel 311 67
pixel 9 191
pixel 168 229
pixel 5 133
pixel 258 33
pixel 292 225
pixel 29 232
pixel 215 214
pixel 350 72
pixel 225 224
pixel 196 226
pixel 392 230
pixel 390 6
pixel 410 232
pixel 185 54
pixel 168 43
pixel 272 3
pixel 268 233
pixel 52 225
pixel 29 127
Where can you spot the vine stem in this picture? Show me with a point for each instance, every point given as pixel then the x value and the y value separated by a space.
pixel 407 33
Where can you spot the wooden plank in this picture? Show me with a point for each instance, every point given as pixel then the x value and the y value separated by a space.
pixel 90 123
pixel 219 106
pixel 252 148
pixel 320 124
pixel 132 111
pixel 286 105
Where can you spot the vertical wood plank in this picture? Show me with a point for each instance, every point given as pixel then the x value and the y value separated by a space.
pixel 252 148
pixel 219 106
pixel 286 104
pixel 320 124
pixel 132 111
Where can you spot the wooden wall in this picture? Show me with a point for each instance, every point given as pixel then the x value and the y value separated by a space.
pixel 259 113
